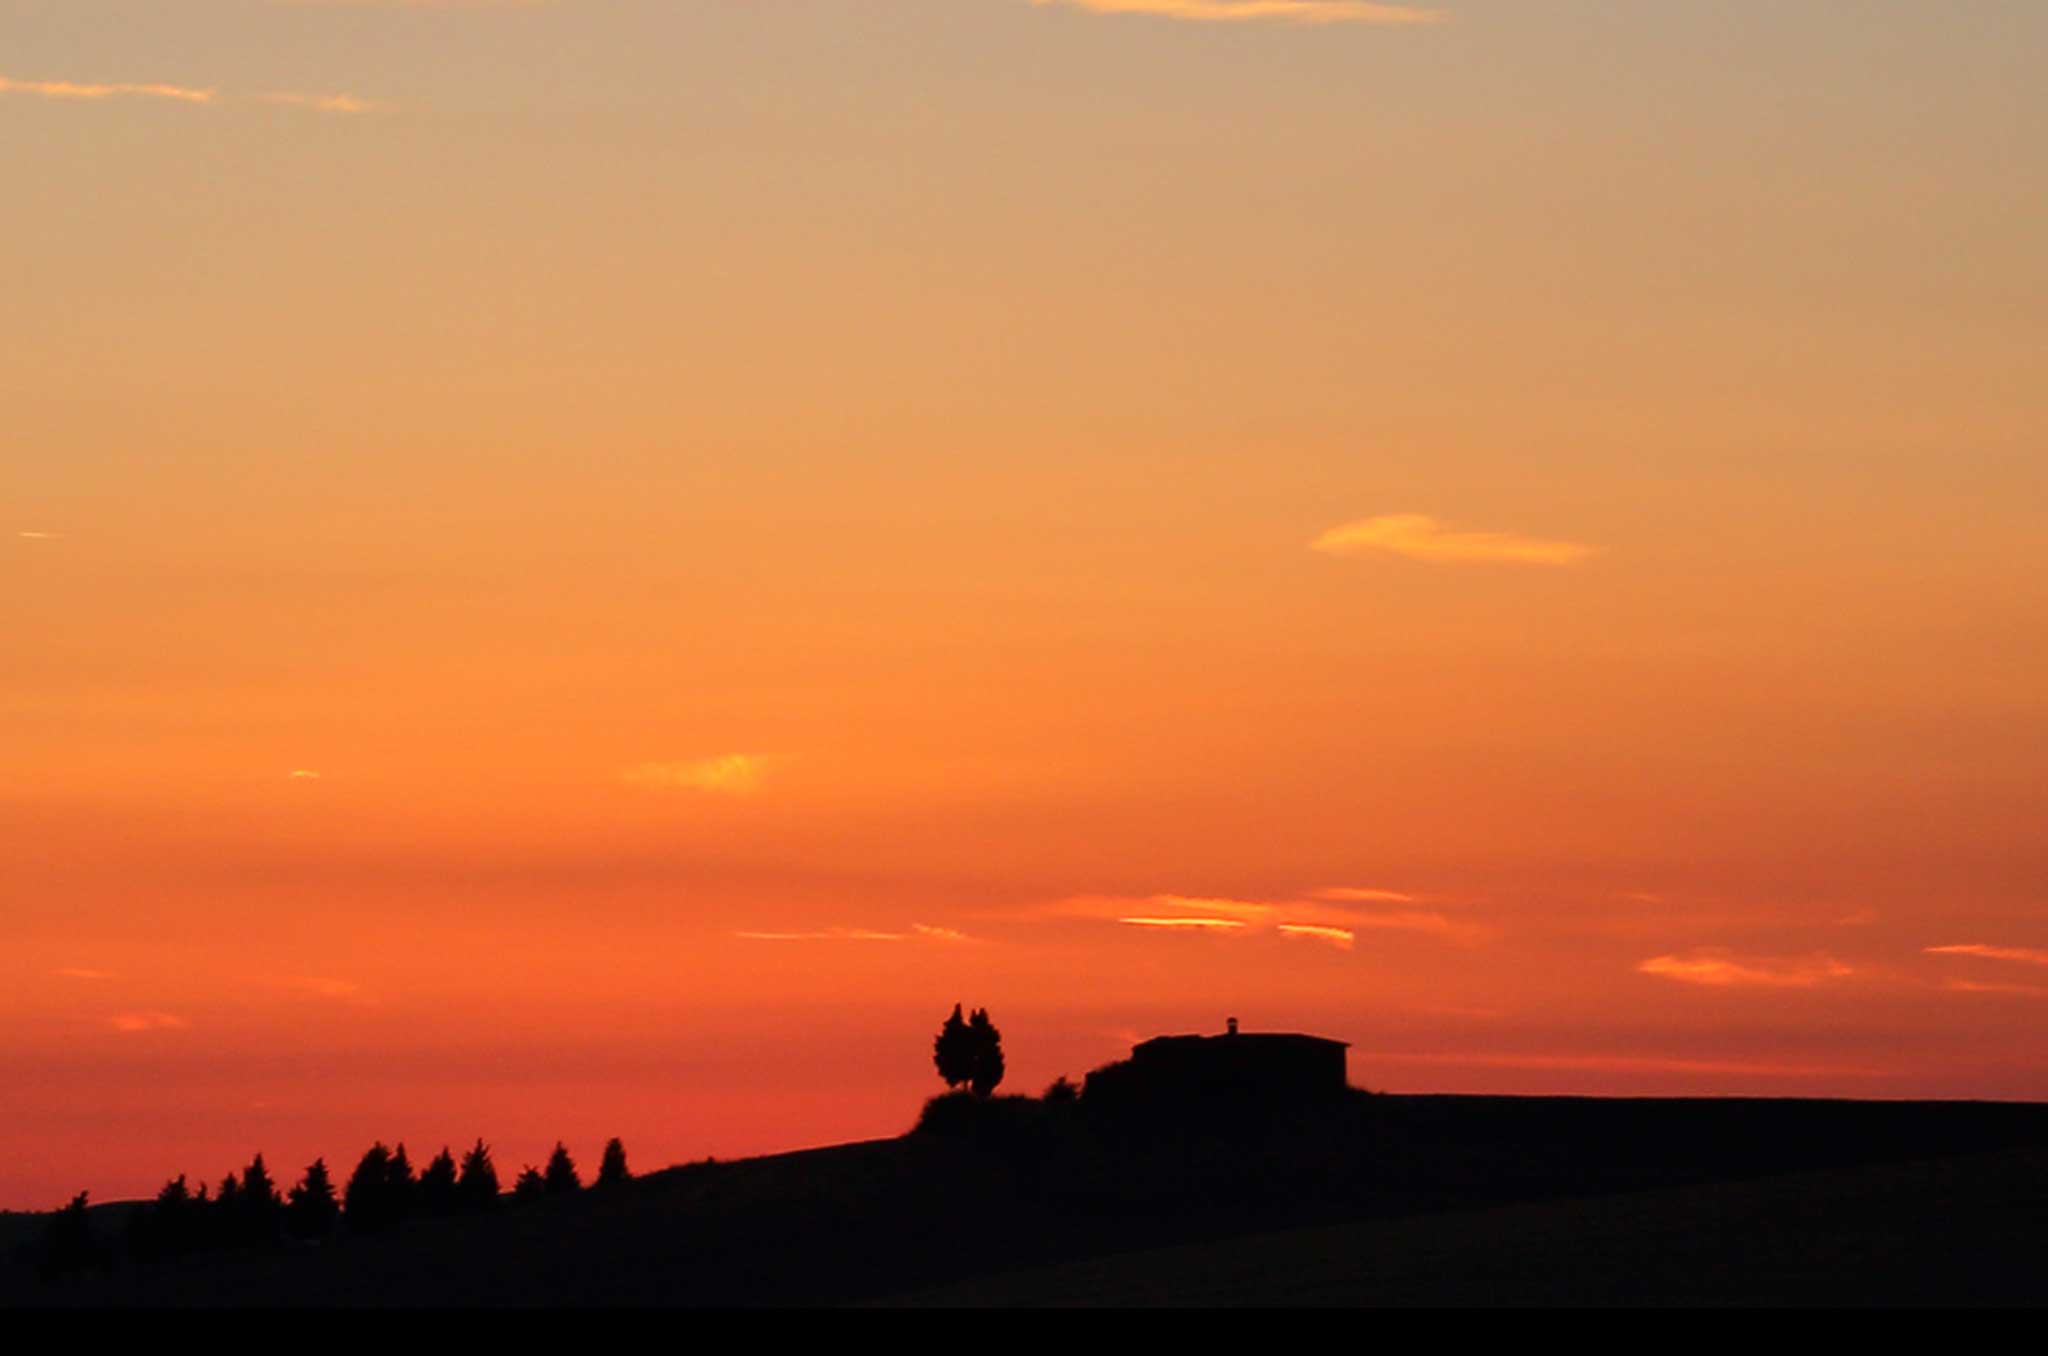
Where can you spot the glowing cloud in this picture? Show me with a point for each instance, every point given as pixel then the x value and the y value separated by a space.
pixel 1972 986
pixel 1190 924
pixel 731 774
pixel 1420 537
pixel 180 94
pixel 1354 895
pixel 146 1021
pixel 1715 968
pixel 919 932
pixel 66 89
pixel 1254 11
pixel 1342 938
pixel 304 774
pixel 41 536
pixel 2025 955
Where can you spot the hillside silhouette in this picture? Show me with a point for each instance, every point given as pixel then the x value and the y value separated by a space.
pixel 1068 1197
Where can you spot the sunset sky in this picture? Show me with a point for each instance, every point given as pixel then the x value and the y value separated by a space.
pixel 591 567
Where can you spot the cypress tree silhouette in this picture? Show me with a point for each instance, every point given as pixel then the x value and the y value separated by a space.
pixel 985 1068
pixel 953 1051
pixel 367 1203
pixel 562 1177
pixel 530 1186
pixel 311 1210
pixel 437 1184
pixel 477 1188
pixel 612 1170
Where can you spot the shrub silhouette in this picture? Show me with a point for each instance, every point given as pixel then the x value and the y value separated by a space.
pixel 477 1188
pixel 311 1210
pixel 437 1186
pixel 612 1170
pixel 562 1178
pixel 986 1071
pixel 1062 1092
pixel 530 1185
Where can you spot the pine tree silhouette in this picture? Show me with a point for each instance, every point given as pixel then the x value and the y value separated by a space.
pixel 611 1170
pixel 311 1210
pixel 477 1188
pixel 562 1177
pixel 530 1186
pixel 402 1186
pixel 366 1204
pixel 437 1184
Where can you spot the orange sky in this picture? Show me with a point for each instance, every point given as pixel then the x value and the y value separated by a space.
pixel 583 569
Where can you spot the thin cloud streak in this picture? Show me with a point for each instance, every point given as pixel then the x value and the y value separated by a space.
pixel 1313 12
pixel 2025 955
pixel 147 1021
pixel 729 774
pixel 919 932
pixel 1712 967
pixel 180 94
pixel 1341 938
pixel 1417 536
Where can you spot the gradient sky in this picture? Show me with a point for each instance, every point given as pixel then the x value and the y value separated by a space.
pixel 591 567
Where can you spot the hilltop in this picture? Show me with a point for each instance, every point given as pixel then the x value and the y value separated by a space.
pixel 1499 1189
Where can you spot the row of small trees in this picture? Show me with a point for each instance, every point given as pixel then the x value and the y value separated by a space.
pixel 382 1192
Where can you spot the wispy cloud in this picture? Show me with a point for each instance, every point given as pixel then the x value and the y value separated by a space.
pixel 729 774
pixel 2025 955
pixel 1334 915
pixel 304 774
pixel 1715 967
pixel 919 932
pixel 1974 986
pixel 1420 537
pixel 69 89
pixel 180 94
pixel 318 986
pixel 80 972
pixel 1260 11
pixel 41 536
pixel 146 1021
pixel 1356 895
pixel 1341 938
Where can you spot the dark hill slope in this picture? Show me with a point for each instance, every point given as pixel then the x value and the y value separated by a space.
pixel 1015 1184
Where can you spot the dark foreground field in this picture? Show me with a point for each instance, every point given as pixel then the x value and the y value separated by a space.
pixel 1380 1200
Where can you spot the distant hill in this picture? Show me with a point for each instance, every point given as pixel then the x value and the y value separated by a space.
pixel 990 1191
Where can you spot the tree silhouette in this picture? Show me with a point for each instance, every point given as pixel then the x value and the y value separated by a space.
pixel 562 1176
pixel 259 1210
pixel 68 1241
pixel 477 1188
pixel 367 1203
pixel 400 1184
pixel 170 1225
pixel 985 1071
pixel 311 1210
pixel 611 1169
pixel 437 1184
pixel 530 1184
pixel 953 1051
pixel 1062 1091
